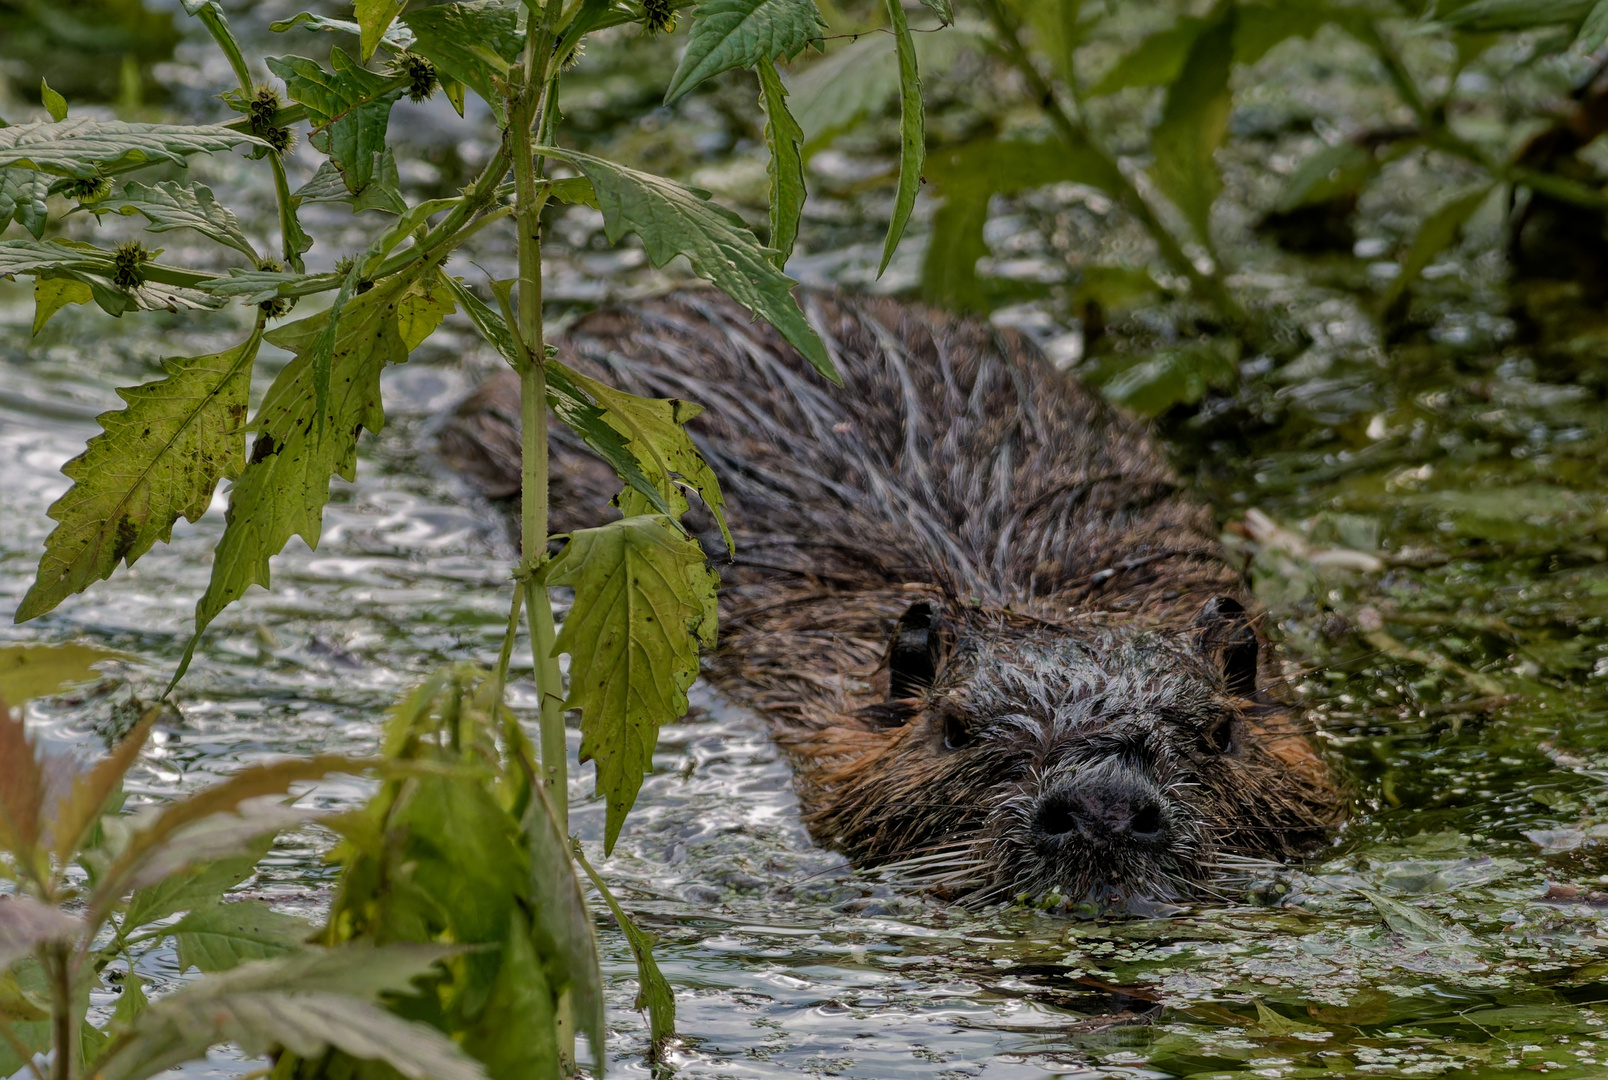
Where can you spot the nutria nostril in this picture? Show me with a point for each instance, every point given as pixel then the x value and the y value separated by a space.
pixel 1104 806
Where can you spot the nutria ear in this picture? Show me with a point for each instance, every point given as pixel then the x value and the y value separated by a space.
pixel 1227 636
pixel 913 652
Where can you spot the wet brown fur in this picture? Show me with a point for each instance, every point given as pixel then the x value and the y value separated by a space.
pixel 1066 562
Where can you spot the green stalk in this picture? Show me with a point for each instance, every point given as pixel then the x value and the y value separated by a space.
pixel 1209 286
pixel 62 1029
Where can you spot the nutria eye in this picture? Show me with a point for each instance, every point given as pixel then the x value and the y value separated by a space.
pixel 1218 734
pixel 957 733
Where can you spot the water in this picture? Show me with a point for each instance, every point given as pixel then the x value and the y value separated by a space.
pixel 1426 520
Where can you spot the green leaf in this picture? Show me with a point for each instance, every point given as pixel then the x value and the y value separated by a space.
pixel 516 1035
pixel 1593 32
pixel 282 491
pixel 1435 235
pixel 1485 16
pixel 643 601
pixel 968 177
pixel 729 34
pixel 561 925
pixel 303 1004
pixel 198 887
pixel 53 294
pixel 862 79
pixel 30 671
pixel 374 18
pixel 171 205
pixel 1178 376
pixel 1333 172
pixel 130 1003
pixel 350 109
pixel 155 461
pixel 1408 921
pixel 55 104
pixel 1193 124
pixel 674 220
pixel 912 133
pixel 222 936
pixel 22 199
pixel 86 148
pixel 472 42
pixel 941 9
pixel 785 139
pixel 657 438
pixel 397 37
pixel 654 992
pixel 1155 61
pixel 94 790
pixel 26 924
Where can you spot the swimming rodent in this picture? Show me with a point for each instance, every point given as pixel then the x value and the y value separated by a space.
pixel 994 632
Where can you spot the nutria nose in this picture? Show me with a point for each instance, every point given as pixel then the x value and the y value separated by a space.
pixel 1115 805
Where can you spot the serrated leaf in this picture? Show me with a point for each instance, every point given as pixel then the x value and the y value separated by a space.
pixel 397 37
pixel 941 9
pixel 86 148
pixel 1489 16
pixel 130 1003
pixel 1435 235
pixel 266 1004
pixel 171 205
pixel 349 106
pixel 561 925
pixel 516 1034
pixel 643 601
pixel 197 886
pixel 374 19
pixel 729 34
pixel 785 140
pixel 968 177
pixel 472 42
pixel 656 436
pixel 25 924
pixel 54 103
pixel 222 936
pixel 154 462
pixel 282 490
pixel 22 199
pixel 53 294
pixel 1193 124
pixel 673 220
pixel 912 133
pixel 654 993
pixel 255 286
pixel 228 834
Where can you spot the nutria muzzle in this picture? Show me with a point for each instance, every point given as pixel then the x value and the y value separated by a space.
pixel 987 622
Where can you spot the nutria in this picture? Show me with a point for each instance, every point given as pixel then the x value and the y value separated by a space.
pixel 994 633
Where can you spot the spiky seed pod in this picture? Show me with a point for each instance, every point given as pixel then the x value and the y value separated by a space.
pixel 275 307
pixel 421 74
pixel 659 16
pixel 128 263
pixel 344 264
pixel 88 189
pixel 265 105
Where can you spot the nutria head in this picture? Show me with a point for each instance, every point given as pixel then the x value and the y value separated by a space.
pixel 1117 765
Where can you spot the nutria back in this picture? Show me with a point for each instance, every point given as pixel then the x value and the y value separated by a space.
pixel 995 634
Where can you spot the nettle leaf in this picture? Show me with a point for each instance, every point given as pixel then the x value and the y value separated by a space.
pixel 473 42
pixel 657 438
pixel 350 108
pixel 654 993
pixel 729 34
pixel 222 936
pixel 302 1003
pixel 396 37
pixel 85 148
pixel 374 19
pixel 197 887
pixel 282 491
pixel 171 205
pixel 785 140
pixel 1193 125
pixel 1490 16
pixel 516 1035
pixel 912 133
pixel 644 599
pixel 53 294
pixel 22 199
pixel 674 220
pixel 561 924
pixel 941 9
pixel 154 462
pixel 968 177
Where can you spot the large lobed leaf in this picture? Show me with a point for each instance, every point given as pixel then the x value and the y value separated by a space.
pixel 222 936
pixel 86 148
pixel 282 491
pixel 675 220
pixel 729 34
pixel 154 462
pixel 172 205
pixel 350 108
pixel 644 599
pixel 473 42
pixel 22 199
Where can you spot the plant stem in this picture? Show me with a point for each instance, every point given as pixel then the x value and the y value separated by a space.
pixel 62 1029
pixel 1079 138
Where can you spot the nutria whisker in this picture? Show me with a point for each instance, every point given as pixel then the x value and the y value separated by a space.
pixel 991 628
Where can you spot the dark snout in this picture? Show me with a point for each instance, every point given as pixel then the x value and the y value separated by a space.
pixel 1108 804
